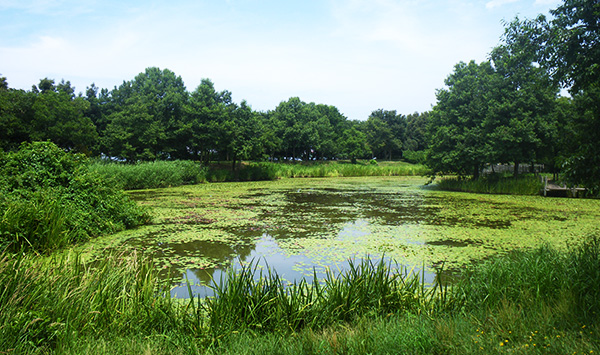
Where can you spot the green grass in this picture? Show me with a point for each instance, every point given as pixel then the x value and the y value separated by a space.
pixel 532 302
pixel 493 184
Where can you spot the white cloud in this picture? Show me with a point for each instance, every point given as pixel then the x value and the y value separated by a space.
pixel 547 2
pixel 498 3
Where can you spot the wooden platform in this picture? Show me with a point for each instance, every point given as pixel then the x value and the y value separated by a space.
pixel 553 190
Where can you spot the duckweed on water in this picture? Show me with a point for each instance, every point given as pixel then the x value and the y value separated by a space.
pixel 297 224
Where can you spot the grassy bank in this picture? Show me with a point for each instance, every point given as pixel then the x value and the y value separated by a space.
pixel 493 184
pixel 539 301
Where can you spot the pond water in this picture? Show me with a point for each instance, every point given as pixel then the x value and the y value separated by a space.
pixel 299 227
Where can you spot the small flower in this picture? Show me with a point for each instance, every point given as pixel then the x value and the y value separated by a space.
pixel 501 344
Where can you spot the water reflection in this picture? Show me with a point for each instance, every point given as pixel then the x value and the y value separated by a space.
pixel 290 267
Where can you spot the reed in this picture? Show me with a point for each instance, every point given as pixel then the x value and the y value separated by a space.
pixel 47 302
pixel 344 169
pixel 493 184
pixel 261 301
pixel 150 175
pixel 540 301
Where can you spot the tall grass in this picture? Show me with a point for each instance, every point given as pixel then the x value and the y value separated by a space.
pixel 540 301
pixel 266 304
pixel 494 184
pixel 344 169
pixel 47 302
pixel 149 175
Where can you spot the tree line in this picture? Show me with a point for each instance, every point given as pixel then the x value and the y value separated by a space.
pixel 154 117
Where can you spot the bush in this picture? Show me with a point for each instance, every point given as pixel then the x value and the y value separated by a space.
pixel 414 157
pixel 50 198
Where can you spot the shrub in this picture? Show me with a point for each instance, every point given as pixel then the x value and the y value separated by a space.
pixel 414 157
pixel 50 198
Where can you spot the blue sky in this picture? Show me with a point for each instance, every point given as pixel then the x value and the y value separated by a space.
pixel 358 55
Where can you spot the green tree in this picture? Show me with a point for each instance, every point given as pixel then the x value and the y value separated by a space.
pixel 416 131
pixel 16 117
pixel 207 121
pixel 457 139
pixel 520 105
pixel 386 133
pixel 568 46
pixel 58 116
pixel 245 129
pixel 353 144
pixel 144 116
pixel 3 83
pixel 297 127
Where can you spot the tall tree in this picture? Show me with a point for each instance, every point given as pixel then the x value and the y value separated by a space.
pixel 457 139
pixel 207 121
pixel 520 105
pixel 568 45
pixel 16 117
pixel 152 106
pixel 59 116
pixel 416 130
pixel 3 83
pixel 353 144
pixel 386 133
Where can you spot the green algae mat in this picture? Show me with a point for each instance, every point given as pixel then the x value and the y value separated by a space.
pixel 302 226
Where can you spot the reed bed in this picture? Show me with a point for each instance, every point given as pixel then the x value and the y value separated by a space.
pixel 339 169
pixel 47 302
pixel 150 175
pixel 493 184
pixel 266 304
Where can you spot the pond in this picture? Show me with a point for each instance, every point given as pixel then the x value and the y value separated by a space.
pixel 300 227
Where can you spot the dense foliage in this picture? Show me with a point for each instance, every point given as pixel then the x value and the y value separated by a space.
pixel 49 198
pixel 506 109
pixel 154 117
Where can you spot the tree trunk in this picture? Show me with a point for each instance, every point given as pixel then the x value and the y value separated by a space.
pixel 476 172
pixel 516 171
